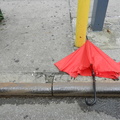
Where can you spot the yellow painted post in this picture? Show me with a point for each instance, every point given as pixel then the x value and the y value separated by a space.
pixel 82 22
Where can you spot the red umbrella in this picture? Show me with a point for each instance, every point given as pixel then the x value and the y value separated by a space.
pixel 89 60
pixel 80 61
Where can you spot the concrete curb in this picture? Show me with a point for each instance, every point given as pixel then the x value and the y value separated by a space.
pixel 109 89
pixel 25 89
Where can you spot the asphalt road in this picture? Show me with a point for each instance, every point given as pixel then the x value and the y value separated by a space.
pixel 58 109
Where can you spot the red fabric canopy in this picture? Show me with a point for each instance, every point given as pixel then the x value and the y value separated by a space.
pixel 80 61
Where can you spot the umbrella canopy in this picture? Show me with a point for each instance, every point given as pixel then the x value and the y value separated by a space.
pixel 80 62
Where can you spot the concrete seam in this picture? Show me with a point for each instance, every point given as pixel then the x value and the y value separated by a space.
pixel 70 15
pixel 72 31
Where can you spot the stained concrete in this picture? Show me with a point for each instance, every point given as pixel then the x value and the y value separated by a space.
pixel 34 35
pixel 109 38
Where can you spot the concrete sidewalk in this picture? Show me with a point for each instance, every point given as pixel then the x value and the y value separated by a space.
pixel 37 33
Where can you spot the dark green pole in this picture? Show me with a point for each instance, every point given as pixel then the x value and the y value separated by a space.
pixel 98 14
pixel 1 16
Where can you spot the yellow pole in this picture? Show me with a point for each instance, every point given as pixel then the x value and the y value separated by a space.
pixel 82 22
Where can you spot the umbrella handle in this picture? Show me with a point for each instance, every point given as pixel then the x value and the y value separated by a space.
pixel 94 88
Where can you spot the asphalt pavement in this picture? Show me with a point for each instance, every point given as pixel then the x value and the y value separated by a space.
pixel 58 109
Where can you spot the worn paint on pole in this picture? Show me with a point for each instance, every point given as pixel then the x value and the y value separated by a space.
pixel 82 22
pixel 98 14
